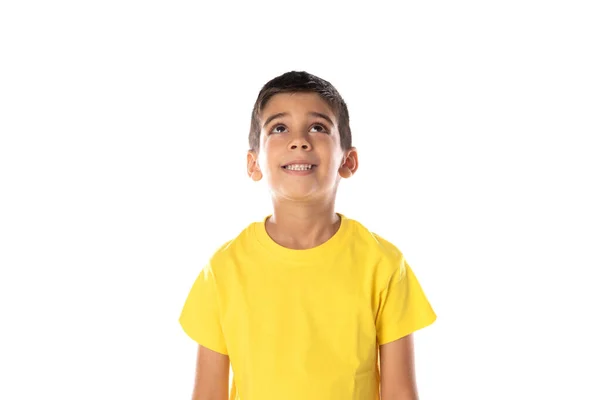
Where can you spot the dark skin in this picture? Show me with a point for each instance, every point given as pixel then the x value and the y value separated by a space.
pixel 304 217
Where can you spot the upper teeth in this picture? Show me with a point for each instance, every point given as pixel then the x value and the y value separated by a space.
pixel 298 167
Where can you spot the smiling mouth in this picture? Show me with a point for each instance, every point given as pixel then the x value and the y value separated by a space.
pixel 299 167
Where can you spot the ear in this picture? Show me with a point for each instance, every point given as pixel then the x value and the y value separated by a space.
pixel 350 164
pixel 253 167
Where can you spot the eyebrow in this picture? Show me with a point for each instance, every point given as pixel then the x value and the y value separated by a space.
pixel 311 113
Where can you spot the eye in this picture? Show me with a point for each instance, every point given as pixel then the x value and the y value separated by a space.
pixel 274 130
pixel 322 129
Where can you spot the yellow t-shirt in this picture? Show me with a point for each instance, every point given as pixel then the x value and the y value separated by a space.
pixel 305 324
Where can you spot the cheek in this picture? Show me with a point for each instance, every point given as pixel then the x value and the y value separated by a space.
pixel 330 154
pixel 273 147
pixel 267 158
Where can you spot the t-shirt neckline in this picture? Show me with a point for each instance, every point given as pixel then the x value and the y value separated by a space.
pixel 315 254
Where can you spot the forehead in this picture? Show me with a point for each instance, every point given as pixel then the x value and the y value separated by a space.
pixel 299 102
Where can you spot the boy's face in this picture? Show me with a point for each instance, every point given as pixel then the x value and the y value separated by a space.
pixel 300 153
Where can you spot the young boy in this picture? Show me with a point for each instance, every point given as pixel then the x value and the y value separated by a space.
pixel 306 304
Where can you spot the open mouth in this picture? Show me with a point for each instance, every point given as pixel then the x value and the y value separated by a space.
pixel 299 167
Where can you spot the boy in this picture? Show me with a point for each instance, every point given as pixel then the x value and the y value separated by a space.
pixel 305 304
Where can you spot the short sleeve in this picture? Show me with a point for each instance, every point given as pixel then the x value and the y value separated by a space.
pixel 403 308
pixel 200 317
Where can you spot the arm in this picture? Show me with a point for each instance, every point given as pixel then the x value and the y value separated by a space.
pixel 212 376
pixel 397 370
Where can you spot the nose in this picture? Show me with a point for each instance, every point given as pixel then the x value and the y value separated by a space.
pixel 299 141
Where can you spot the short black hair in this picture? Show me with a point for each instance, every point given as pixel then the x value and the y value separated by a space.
pixel 301 81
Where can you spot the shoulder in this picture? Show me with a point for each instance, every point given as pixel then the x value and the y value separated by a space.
pixel 376 242
pixel 232 249
pixel 390 257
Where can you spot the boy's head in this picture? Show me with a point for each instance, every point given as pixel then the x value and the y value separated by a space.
pixel 295 82
pixel 300 137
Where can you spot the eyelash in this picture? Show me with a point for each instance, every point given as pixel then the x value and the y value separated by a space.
pixel 325 130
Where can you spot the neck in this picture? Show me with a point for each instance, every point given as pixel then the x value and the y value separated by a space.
pixel 299 225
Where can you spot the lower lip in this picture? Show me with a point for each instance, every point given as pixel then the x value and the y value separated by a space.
pixel 300 172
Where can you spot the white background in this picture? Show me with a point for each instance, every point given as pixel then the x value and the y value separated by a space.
pixel 122 167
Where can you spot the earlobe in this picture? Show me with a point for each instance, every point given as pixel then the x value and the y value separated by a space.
pixel 345 172
pixel 256 173
pixel 350 164
pixel 256 176
pixel 253 168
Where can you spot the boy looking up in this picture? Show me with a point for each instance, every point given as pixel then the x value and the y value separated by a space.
pixel 305 304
